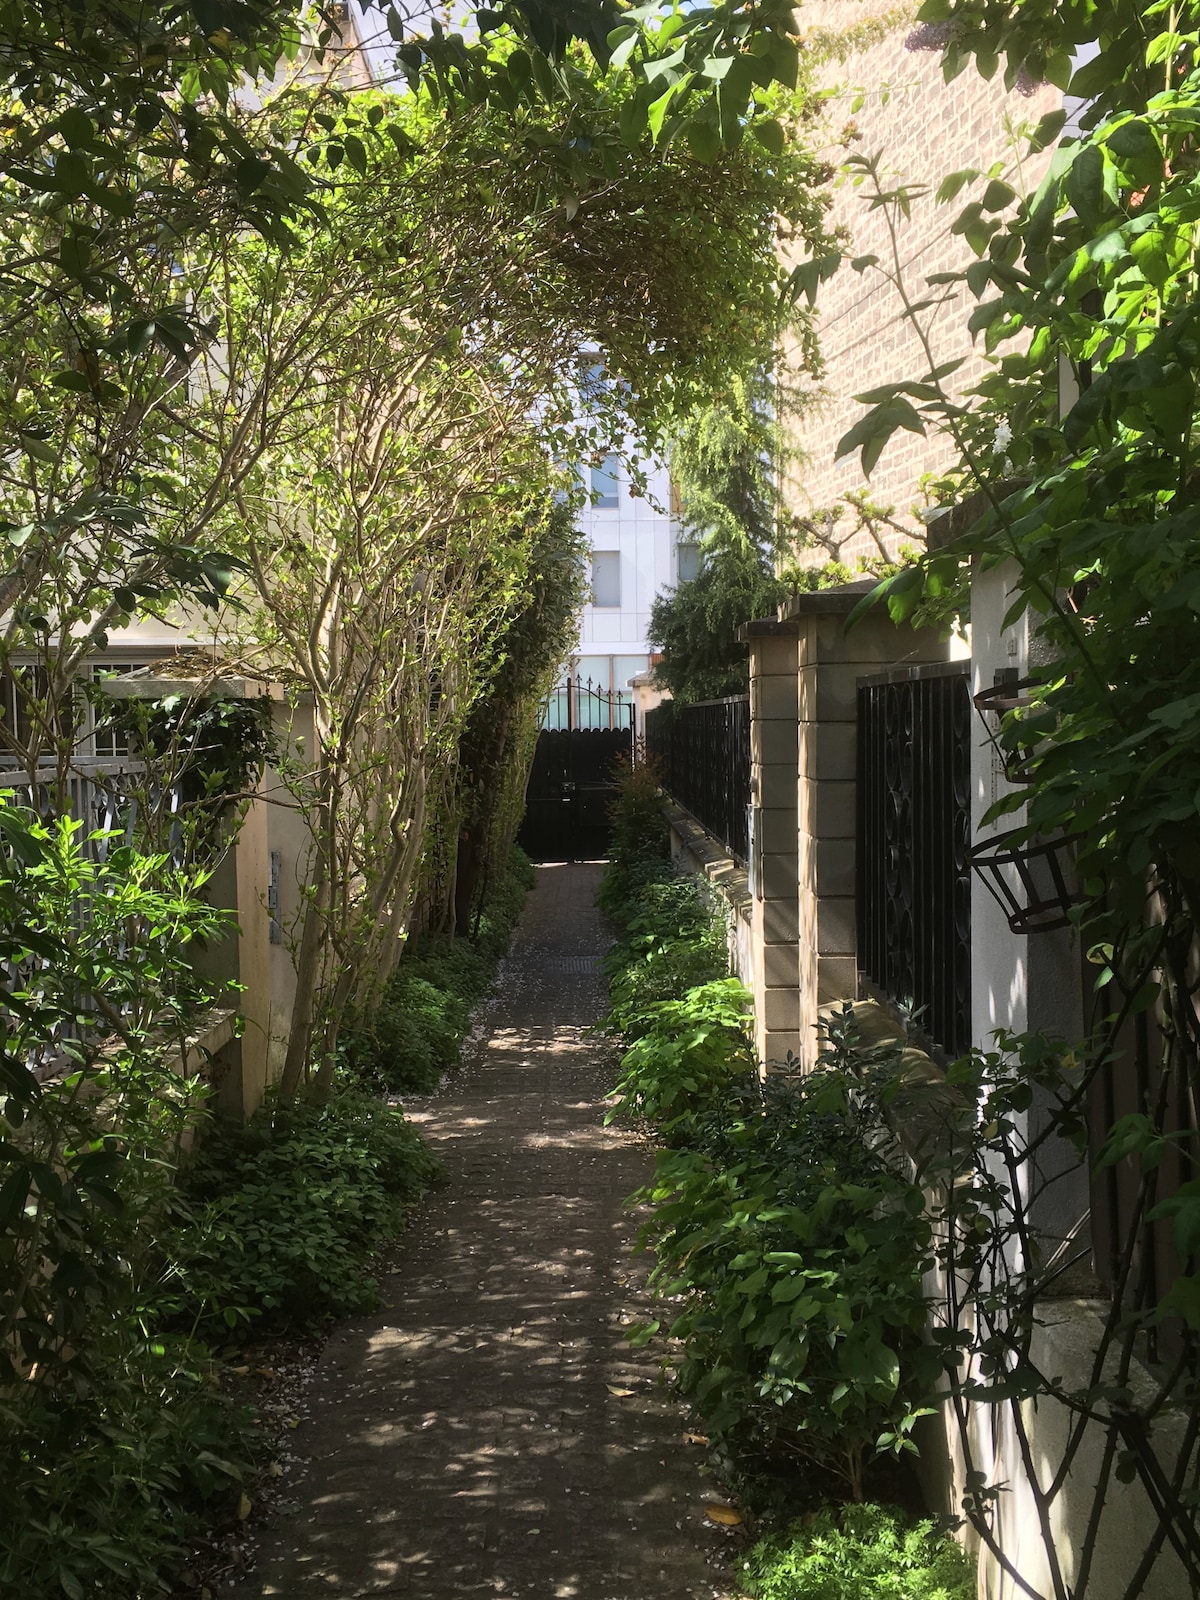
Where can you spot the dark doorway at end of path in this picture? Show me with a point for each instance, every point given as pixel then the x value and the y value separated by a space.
pixel 572 782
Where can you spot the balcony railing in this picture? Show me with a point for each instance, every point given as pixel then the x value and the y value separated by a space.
pixel 112 797
pixel 913 877
pixel 702 753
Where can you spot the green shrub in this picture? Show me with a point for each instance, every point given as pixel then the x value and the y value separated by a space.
pixel 672 942
pixel 796 1253
pixel 106 1483
pixel 791 1244
pixel 415 1034
pixel 863 1552
pixel 280 1217
pixel 639 850
pixel 687 1053
pixel 117 1446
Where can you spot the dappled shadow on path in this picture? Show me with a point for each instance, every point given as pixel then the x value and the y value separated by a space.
pixel 491 1431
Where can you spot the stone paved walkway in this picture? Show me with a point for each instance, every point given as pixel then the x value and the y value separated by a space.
pixel 490 1431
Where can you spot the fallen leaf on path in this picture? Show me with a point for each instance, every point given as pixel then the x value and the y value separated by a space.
pixel 695 1438
pixel 725 1515
pixel 243 1510
pixel 621 1394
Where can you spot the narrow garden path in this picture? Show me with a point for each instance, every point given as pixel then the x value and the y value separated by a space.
pixel 490 1431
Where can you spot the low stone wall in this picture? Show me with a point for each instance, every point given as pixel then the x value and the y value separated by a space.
pixel 696 851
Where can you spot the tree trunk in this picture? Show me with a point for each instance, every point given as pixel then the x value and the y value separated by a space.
pixel 307 971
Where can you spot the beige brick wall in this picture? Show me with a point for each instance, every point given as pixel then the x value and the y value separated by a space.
pixel 925 129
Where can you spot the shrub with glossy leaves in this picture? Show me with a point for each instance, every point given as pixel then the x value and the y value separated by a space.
pixel 795 1255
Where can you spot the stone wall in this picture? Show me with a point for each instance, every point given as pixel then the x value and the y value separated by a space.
pixel 924 129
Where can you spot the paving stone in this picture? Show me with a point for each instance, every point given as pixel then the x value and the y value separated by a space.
pixel 465 1441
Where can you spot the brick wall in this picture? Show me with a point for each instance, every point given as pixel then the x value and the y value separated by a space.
pixel 925 129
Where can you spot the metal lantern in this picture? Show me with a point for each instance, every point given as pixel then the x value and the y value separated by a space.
pixel 1009 693
pixel 1031 879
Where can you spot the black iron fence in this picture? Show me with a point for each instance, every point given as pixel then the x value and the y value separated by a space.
pixel 576 703
pixel 914 829
pixel 572 781
pixel 702 753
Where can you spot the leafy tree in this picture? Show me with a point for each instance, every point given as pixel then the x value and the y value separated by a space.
pixel 380 408
pixel 1077 479
pixel 481 816
pixel 695 625
pixel 720 462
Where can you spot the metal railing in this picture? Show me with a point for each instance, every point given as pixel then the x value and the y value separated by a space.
pixel 108 797
pixel 914 824
pixel 575 703
pixel 702 753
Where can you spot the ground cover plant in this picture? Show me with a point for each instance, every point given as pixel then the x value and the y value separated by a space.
pixel 856 1552
pixel 276 1222
pixel 791 1251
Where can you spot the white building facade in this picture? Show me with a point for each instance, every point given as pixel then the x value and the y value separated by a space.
pixel 638 547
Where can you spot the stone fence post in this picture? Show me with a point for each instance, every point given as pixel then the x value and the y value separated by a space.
pixel 804 671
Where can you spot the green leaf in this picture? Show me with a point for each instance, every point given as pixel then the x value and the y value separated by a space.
pixel 954 182
pixel 657 110
pixel 1135 147
pixel 356 153
pixel 519 67
pixel 13 1194
pixel 139 335
pixel 72 175
pixel 38 448
pixel 704 138
pixel 770 135
pixel 76 127
pixel 1182 1299
pixel 632 121
pixel 71 1585
pixel 788 1289
pixel 872 432
pixel 998 195
pixel 1085 185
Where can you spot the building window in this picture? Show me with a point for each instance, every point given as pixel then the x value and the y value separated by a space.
pixel 606 578
pixel 108 740
pixel 687 562
pixel 606 482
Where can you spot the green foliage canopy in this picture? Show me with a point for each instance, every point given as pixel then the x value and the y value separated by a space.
pixel 722 462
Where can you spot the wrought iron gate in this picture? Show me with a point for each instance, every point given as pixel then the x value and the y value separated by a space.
pixel 914 825
pixel 572 780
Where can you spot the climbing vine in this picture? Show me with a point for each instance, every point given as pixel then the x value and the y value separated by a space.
pixel 1076 482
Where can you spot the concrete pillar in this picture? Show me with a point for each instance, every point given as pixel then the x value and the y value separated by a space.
pixel 289 838
pixel 240 884
pixel 804 672
pixel 773 875
pixel 830 660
